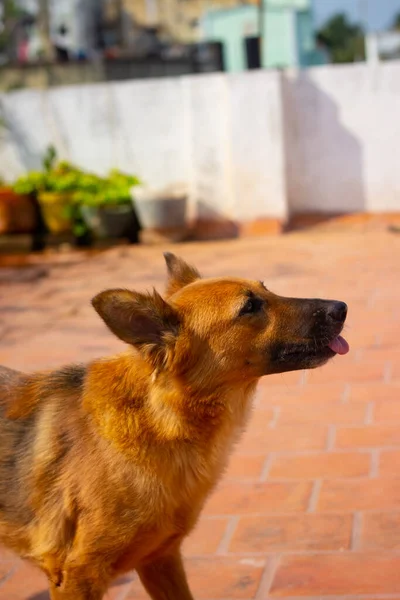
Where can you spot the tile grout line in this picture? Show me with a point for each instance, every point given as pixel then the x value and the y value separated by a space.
pixel 356 532
pixel 266 468
pixel 267 578
pixel 346 393
pixel 318 451
pixel 331 438
pixel 371 301
pixel 326 511
pixel 276 411
pixel 375 460
pixel 335 597
pixel 289 553
pixel 358 355
pixel 10 573
pixel 228 535
pixel 329 597
pixel 387 371
pixel 369 413
pixel 314 496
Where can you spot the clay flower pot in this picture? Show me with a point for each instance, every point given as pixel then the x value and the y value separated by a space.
pixel 17 212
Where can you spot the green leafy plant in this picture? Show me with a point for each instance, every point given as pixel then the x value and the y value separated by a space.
pixel 108 191
pixel 37 182
pixel 32 183
pixel 60 179
pixel 49 159
pixel 80 228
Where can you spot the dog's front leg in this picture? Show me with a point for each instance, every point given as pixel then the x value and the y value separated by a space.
pixel 78 584
pixel 165 578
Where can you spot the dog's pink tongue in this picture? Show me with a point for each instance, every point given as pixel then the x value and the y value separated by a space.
pixel 339 345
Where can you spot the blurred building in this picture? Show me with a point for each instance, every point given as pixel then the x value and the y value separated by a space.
pixel 288 35
pixel 156 38
pixel 74 27
pixel 383 45
pixel 178 19
pixel 71 27
pixel 288 28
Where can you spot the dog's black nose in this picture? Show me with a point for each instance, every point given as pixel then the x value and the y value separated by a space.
pixel 337 311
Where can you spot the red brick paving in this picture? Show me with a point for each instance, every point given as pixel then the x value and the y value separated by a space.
pixel 310 505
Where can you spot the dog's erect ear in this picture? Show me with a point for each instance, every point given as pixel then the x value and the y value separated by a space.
pixel 144 320
pixel 179 273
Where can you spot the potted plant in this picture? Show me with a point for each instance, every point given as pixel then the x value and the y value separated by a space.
pixel 55 189
pixel 57 197
pixel 54 196
pixel 106 205
pixel 17 211
pixel 72 200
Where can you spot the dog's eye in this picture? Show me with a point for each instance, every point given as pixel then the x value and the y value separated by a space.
pixel 252 306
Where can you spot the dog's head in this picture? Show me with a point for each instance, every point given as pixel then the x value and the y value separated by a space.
pixel 225 329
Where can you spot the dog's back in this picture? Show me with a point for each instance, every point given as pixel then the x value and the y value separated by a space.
pixel 32 446
pixel 16 442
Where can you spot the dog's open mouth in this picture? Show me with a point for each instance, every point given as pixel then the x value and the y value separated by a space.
pixel 309 355
pixel 339 345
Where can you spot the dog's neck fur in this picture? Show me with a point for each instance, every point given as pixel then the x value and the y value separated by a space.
pixel 128 401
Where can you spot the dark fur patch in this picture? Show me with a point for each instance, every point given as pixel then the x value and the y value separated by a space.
pixel 16 439
pixel 69 378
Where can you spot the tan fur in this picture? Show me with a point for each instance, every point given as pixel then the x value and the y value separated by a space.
pixel 105 468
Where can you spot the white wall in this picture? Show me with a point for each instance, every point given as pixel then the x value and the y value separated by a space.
pixel 250 145
pixel 342 130
pixel 219 134
pixel 237 145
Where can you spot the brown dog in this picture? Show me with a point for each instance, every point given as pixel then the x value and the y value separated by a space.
pixel 105 468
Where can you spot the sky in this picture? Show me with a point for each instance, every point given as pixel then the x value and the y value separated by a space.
pixel 378 14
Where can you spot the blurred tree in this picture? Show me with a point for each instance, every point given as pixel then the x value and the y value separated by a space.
pixel 396 22
pixel 344 40
pixel 10 13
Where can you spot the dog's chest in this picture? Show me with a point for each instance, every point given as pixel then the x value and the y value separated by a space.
pixel 169 512
pixel 171 499
pixel 187 476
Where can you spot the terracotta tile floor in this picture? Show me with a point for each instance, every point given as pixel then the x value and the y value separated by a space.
pixel 310 506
